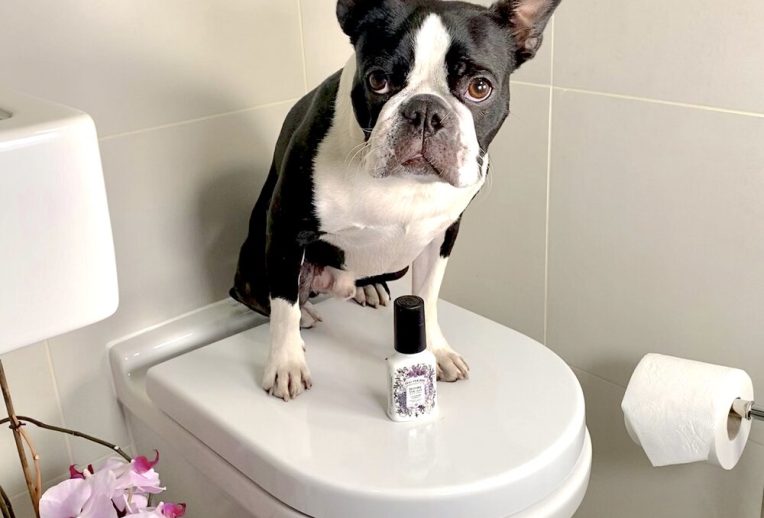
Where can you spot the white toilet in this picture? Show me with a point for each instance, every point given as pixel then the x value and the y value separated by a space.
pixel 509 442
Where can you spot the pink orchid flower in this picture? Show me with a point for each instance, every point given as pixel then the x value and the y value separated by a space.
pixel 170 510
pixel 141 464
pixel 116 488
pixel 65 499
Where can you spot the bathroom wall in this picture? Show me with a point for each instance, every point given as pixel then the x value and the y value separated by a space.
pixel 623 215
pixel 628 217
pixel 188 98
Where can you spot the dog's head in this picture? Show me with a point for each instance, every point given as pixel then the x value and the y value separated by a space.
pixel 431 88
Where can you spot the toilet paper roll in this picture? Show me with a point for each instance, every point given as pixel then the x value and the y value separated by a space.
pixel 678 411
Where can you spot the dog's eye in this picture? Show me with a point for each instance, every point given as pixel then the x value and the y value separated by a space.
pixel 378 82
pixel 479 89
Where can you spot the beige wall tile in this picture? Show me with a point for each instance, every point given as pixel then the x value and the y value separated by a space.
pixel 497 268
pixel 180 200
pixel 134 64
pixel 327 48
pixel 624 484
pixel 655 225
pixel 693 51
pixel 34 394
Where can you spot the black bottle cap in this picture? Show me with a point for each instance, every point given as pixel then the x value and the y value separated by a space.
pixel 409 325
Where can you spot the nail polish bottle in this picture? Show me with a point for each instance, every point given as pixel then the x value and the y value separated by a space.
pixel 412 369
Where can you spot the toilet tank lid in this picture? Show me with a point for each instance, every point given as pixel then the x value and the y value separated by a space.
pixel 503 440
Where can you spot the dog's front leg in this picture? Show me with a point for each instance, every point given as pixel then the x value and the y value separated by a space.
pixel 427 274
pixel 286 371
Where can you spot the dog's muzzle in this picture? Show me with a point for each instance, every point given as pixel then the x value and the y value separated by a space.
pixel 426 142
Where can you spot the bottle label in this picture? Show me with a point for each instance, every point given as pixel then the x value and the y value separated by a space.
pixel 414 390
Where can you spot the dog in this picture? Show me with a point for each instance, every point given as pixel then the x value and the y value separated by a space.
pixel 373 169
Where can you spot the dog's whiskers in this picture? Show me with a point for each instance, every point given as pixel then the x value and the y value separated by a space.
pixel 353 153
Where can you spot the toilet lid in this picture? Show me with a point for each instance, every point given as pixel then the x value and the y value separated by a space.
pixel 503 440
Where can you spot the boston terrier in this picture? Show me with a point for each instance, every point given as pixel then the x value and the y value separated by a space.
pixel 374 168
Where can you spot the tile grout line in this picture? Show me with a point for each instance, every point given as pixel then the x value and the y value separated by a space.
pixel 640 99
pixel 659 101
pixel 239 111
pixel 300 21
pixel 197 119
pixel 548 184
pixel 59 404
pixel 528 83
pixel 597 376
pixel 523 83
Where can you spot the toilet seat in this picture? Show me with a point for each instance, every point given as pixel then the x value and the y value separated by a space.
pixel 503 442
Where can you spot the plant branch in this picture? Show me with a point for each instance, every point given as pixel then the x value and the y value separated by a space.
pixel 75 433
pixel 36 462
pixel 15 425
pixel 5 504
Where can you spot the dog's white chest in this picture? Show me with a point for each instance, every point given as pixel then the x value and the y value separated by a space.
pixel 382 225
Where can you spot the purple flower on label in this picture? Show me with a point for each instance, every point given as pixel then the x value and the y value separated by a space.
pixel 403 378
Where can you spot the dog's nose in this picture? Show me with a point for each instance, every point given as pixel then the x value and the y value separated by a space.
pixel 427 113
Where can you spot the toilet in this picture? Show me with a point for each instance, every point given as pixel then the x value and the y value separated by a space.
pixel 509 442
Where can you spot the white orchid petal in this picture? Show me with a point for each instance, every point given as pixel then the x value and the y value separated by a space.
pixel 99 506
pixel 132 504
pixel 115 464
pixel 66 499
pixel 147 482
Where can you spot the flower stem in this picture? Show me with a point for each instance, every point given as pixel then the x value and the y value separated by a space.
pixel 75 433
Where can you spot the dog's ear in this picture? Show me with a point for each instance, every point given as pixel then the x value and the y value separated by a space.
pixel 353 13
pixel 527 20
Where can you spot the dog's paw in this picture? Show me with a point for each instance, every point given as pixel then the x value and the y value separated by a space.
pixel 343 283
pixel 336 282
pixel 286 373
pixel 309 317
pixel 451 365
pixel 372 295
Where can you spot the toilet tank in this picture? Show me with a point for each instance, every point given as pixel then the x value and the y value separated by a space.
pixel 57 264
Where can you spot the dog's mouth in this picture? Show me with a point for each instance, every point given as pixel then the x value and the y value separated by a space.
pixel 419 161
pixel 426 159
pixel 419 164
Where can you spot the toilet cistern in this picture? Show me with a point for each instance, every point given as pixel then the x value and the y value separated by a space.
pixel 58 270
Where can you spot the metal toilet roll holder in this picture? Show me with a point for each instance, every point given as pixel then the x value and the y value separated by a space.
pixel 747 410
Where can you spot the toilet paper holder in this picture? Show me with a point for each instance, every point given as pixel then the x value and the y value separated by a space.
pixel 747 410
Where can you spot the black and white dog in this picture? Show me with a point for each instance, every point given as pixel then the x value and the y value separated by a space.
pixel 373 168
